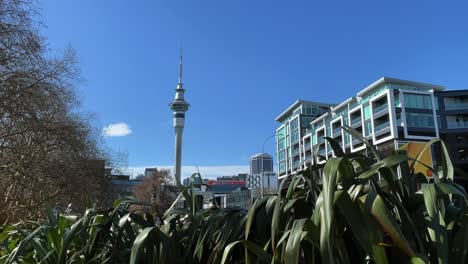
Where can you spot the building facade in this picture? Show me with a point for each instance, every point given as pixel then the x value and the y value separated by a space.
pixel 389 113
pixel 261 162
pixel 294 125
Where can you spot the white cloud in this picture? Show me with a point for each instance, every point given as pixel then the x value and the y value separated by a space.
pixel 208 172
pixel 117 130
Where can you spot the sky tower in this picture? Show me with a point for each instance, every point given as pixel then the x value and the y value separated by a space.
pixel 179 106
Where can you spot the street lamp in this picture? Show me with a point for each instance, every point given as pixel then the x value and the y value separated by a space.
pixel 261 161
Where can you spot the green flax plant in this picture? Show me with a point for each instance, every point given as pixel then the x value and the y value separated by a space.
pixel 371 209
pixel 348 209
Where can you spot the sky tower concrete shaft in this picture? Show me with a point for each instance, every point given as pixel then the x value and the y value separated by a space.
pixel 179 106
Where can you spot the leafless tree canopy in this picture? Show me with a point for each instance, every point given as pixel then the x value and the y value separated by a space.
pixel 48 149
pixel 157 189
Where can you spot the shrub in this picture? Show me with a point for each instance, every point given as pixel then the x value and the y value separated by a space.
pixel 362 210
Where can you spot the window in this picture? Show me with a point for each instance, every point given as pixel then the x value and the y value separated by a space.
pixel 419 120
pixel 282 166
pixel 367 128
pixel 294 137
pixel 281 144
pixel 293 124
pixel 367 112
pixel 419 101
pixel 281 155
pixel 305 121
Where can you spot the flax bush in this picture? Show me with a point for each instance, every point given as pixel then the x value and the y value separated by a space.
pixel 350 209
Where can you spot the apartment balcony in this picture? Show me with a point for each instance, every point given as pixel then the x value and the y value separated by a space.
pixel 357 142
pixel 295 152
pixel 322 152
pixel 382 127
pixel 336 132
pixel 320 139
pixel 381 109
pixel 356 122
pixel 455 106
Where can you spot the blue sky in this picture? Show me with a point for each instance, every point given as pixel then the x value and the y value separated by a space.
pixel 244 63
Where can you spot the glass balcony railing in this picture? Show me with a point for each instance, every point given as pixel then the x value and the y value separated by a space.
pixel 457 124
pixel 455 106
pixel 321 152
pixel 356 141
pixel 320 139
pixel 381 127
pixel 356 121
pixel 336 131
pixel 295 152
pixel 380 108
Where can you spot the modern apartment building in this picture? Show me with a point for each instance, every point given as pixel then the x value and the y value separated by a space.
pixel 388 113
pixel 295 124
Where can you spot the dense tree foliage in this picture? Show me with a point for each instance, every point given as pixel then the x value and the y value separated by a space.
pixel 48 149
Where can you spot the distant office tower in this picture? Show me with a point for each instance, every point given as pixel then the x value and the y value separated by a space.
pixel 261 162
pixel 261 169
pixel 149 171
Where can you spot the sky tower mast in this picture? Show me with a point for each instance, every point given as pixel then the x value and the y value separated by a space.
pixel 179 106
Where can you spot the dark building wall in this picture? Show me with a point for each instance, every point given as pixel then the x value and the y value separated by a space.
pixel 453 105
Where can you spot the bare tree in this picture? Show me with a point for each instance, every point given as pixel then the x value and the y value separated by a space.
pixel 47 147
pixel 157 189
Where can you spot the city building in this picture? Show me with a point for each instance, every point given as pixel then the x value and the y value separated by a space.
pixel 262 174
pixel 149 172
pixel 261 162
pixel 453 127
pixel 389 113
pixel 225 191
pixel 123 184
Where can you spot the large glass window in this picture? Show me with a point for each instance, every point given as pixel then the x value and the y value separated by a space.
pixel 367 128
pixel 456 103
pixel 282 166
pixel 295 137
pixel 419 101
pixel 367 112
pixel 419 120
pixel 293 124
pixel 281 144
pixel 309 109
pixel 305 121
pixel 281 155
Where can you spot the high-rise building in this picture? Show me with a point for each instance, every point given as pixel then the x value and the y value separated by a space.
pixel 179 106
pixel 261 162
pixel 262 174
pixel 389 113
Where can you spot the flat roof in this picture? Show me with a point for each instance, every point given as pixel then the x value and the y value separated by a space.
pixel 398 81
pixel 296 104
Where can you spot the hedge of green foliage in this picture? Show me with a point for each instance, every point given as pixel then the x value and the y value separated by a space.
pixel 350 209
